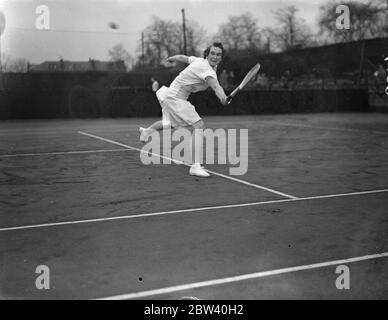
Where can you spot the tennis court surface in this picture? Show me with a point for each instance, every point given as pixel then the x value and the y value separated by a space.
pixel 75 198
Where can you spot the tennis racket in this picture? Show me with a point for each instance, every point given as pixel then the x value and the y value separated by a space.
pixel 250 75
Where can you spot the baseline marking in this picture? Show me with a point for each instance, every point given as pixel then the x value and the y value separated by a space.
pixel 271 123
pixel 59 153
pixel 243 277
pixel 53 224
pixel 180 162
pixel 321 128
pixel 66 130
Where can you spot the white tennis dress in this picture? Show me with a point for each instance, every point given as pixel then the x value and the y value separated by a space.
pixel 176 110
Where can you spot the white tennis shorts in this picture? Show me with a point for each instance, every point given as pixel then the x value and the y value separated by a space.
pixel 176 112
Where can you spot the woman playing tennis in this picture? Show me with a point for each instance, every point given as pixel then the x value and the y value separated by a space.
pixel 177 111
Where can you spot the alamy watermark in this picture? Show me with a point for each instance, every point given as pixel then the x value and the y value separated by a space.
pixel 42 21
pixel 228 141
pixel 42 282
pixel 343 280
pixel 343 20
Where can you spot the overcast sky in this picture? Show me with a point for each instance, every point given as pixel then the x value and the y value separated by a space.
pixel 79 28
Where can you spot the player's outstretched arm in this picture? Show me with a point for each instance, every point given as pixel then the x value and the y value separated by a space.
pixel 218 90
pixel 178 58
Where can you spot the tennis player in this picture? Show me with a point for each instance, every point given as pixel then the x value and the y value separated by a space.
pixel 177 111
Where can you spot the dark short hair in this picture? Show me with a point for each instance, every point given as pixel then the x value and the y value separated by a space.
pixel 215 44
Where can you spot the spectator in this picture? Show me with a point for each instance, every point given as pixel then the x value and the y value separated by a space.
pixel 231 78
pixel 224 79
pixel 155 84
pixel 380 72
pixel 261 81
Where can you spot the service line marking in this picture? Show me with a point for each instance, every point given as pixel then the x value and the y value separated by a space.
pixel 162 213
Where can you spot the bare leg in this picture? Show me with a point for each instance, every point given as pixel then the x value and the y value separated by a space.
pixel 197 150
pixel 156 126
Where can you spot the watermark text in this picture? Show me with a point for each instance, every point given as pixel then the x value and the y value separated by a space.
pixel 230 146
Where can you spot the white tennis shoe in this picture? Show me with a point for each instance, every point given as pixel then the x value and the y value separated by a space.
pixel 197 170
pixel 143 134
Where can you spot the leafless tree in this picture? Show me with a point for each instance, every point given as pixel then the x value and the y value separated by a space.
pixel 9 64
pixel 292 31
pixel 368 19
pixel 118 53
pixel 240 33
pixel 195 36
pixel 165 38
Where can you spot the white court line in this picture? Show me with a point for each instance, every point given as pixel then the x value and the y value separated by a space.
pixel 243 277
pixel 319 127
pixel 153 214
pixel 180 162
pixel 271 123
pixel 59 153
pixel 66 130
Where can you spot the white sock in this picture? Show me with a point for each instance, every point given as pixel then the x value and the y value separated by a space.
pixel 198 145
